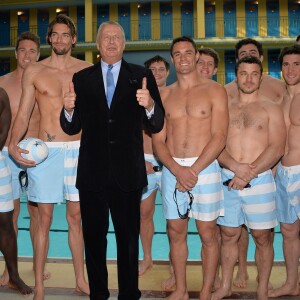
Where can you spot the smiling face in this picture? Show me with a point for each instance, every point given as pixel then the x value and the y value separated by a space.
pixel 111 43
pixel 248 77
pixel 160 73
pixel 61 39
pixel 206 66
pixel 184 57
pixel 291 69
pixel 27 53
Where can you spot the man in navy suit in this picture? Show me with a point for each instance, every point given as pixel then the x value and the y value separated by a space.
pixel 111 168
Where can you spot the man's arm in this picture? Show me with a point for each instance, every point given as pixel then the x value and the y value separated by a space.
pixel 155 123
pixel 21 121
pixel 276 136
pixel 219 127
pixel 5 117
pixel 70 125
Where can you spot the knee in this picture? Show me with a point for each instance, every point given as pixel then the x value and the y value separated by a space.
pixel 230 235
pixel 176 236
pixel 74 219
pixel 262 238
pixel 290 231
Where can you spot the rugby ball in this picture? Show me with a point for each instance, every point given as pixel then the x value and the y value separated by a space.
pixel 38 150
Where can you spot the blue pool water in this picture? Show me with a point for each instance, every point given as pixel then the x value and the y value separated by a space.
pixel 59 237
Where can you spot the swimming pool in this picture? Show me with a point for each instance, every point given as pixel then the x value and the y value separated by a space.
pixel 59 248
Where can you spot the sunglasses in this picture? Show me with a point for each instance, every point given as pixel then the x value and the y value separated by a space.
pixel 191 197
pixel 23 179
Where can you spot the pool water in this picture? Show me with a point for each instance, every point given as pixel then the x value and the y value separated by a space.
pixel 59 248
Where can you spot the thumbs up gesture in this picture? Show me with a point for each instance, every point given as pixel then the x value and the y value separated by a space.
pixel 69 99
pixel 143 96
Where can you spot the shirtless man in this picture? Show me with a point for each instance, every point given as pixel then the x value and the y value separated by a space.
pixel 8 238
pixel 160 69
pixel 193 136
pixel 54 179
pixel 207 67
pixel 27 51
pixel 270 88
pixel 288 173
pixel 255 143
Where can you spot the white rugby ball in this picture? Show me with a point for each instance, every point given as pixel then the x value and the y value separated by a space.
pixel 38 150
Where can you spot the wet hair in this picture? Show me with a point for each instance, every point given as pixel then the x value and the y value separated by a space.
pixel 109 23
pixel 61 19
pixel 183 39
pixel 248 41
pixel 27 35
pixel 212 53
pixel 154 59
pixel 295 49
pixel 249 60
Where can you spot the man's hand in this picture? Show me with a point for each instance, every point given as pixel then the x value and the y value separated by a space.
pixel 246 172
pixel 69 99
pixel 186 178
pixel 143 96
pixel 15 151
pixel 149 167
pixel 237 184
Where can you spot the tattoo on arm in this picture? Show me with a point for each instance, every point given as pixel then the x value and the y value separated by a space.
pixel 50 138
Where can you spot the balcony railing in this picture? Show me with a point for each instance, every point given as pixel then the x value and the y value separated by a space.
pixel 158 30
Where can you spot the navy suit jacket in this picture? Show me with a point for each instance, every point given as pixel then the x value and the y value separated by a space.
pixel 112 141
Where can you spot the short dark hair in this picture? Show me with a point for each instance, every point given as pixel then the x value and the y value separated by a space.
pixel 28 35
pixel 298 38
pixel 249 60
pixel 61 19
pixel 211 52
pixel 295 49
pixel 248 41
pixel 183 39
pixel 156 58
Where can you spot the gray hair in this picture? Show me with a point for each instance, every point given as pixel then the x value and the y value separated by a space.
pixel 109 23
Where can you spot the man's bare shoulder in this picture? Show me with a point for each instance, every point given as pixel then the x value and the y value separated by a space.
pixel 168 90
pixel 231 89
pixel 273 88
pixel 6 79
pixel 269 78
pixel 271 107
pixel 79 64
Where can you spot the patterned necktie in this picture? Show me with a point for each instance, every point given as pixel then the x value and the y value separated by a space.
pixel 110 85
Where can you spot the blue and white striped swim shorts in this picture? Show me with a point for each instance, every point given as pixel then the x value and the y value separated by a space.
pixel 288 193
pixel 154 179
pixel 254 206
pixel 207 193
pixel 54 179
pixel 6 196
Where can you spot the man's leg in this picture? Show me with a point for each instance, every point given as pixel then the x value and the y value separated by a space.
pixel 264 256
pixel 76 245
pixel 147 231
pixel 229 256
pixel 41 243
pixel 33 225
pixel 210 255
pixel 8 246
pixel 242 276
pixel 291 250
pixel 177 232
pixel 4 278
